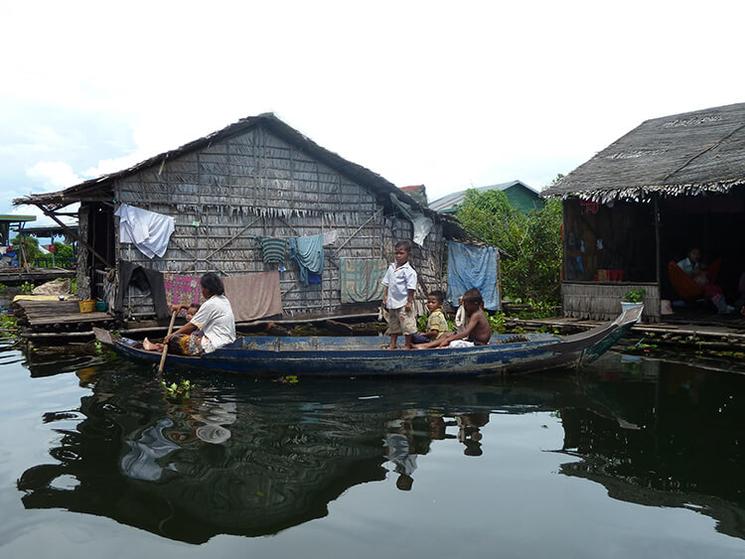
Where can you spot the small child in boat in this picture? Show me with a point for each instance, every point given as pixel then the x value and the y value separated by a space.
pixel 476 331
pixel 437 324
pixel 191 310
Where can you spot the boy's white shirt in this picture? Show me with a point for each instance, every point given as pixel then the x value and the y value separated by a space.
pixel 399 281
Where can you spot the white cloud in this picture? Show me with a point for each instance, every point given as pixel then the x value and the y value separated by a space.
pixel 421 92
pixel 53 175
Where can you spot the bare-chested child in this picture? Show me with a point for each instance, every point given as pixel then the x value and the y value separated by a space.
pixel 476 331
pixel 191 310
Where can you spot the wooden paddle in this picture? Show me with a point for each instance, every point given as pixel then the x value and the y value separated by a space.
pixel 165 345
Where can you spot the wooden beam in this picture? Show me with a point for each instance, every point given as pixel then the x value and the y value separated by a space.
pixel 72 233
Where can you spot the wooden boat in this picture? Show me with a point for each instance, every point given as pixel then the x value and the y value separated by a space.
pixel 321 356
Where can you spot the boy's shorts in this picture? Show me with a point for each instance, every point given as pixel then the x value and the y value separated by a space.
pixel 401 322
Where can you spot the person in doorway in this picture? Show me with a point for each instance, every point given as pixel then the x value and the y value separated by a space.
pixel 694 268
pixel 400 283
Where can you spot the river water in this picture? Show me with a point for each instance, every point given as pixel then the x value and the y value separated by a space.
pixel 630 458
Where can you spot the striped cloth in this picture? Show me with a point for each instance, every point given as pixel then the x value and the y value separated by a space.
pixel 273 251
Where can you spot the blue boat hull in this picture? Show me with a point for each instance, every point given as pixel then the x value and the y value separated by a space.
pixel 366 356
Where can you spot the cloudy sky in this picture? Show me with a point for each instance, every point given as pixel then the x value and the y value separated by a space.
pixel 451 95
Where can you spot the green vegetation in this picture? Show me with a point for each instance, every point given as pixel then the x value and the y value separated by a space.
pixel 63 251
pixel 530 273
pixel 3 289
pixel 634 295
pixel 8 326
pixel 177 391
pixel 27 248
pixel 26 288
pixel 496 321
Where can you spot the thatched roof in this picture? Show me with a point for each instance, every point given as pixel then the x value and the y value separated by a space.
pixel 685 154
pixel 100 188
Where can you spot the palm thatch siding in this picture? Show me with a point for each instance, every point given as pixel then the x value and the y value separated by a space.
pixel 597 301
pixel 256 178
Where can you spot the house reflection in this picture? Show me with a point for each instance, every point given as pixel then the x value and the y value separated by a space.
pixel 252 459
pixel 674 442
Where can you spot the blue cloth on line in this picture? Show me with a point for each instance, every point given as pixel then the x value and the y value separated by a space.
pixel 472 266
pixel 307 252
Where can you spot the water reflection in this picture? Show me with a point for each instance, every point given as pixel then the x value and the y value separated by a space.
pixel 248 458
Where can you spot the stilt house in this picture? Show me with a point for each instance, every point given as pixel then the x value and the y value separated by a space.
pixel 640 204
pixel 256 178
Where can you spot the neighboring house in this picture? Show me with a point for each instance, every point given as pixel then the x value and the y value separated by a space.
pixel 519 194
pixel 670 184
pixel 255 178
pixel 11 220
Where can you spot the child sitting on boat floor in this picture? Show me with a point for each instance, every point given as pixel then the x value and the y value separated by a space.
pixel 437 324
pixel 476 331
pixel 191 310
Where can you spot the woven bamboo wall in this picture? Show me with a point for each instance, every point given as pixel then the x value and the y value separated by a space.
pixel 602 301
pixel 255 185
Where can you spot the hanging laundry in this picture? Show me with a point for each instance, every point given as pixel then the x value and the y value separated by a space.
pixel 145 280
pixel 330 237
pixel 253 296
pixel 307 252
pixel 273 251
pixel 182 289
pixel 148 231
pixel 360 279
pixel 472 266
pixel 421 223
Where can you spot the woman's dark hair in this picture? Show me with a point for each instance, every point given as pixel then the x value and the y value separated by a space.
pixel 212 283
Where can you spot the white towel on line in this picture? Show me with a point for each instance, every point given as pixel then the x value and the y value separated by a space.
pixel 148 231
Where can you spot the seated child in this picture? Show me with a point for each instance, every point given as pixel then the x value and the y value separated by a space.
pixel 191 310
pixel 437 324
pixel 477 330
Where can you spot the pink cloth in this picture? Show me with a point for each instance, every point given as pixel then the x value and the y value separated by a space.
pixel 182 290
pixel 254 296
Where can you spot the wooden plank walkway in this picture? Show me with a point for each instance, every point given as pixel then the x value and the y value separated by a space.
pixel 35 275
pixel 56 316
pixel 676 328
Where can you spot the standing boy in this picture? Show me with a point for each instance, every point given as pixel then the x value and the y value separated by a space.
pixel 400 282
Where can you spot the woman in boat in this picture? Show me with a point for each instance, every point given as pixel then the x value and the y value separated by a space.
pixel 214 319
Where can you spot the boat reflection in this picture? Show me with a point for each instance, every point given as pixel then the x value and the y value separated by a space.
pixel 254 458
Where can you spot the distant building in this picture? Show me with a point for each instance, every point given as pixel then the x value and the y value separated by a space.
pixel 520 195
pixel 6 221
